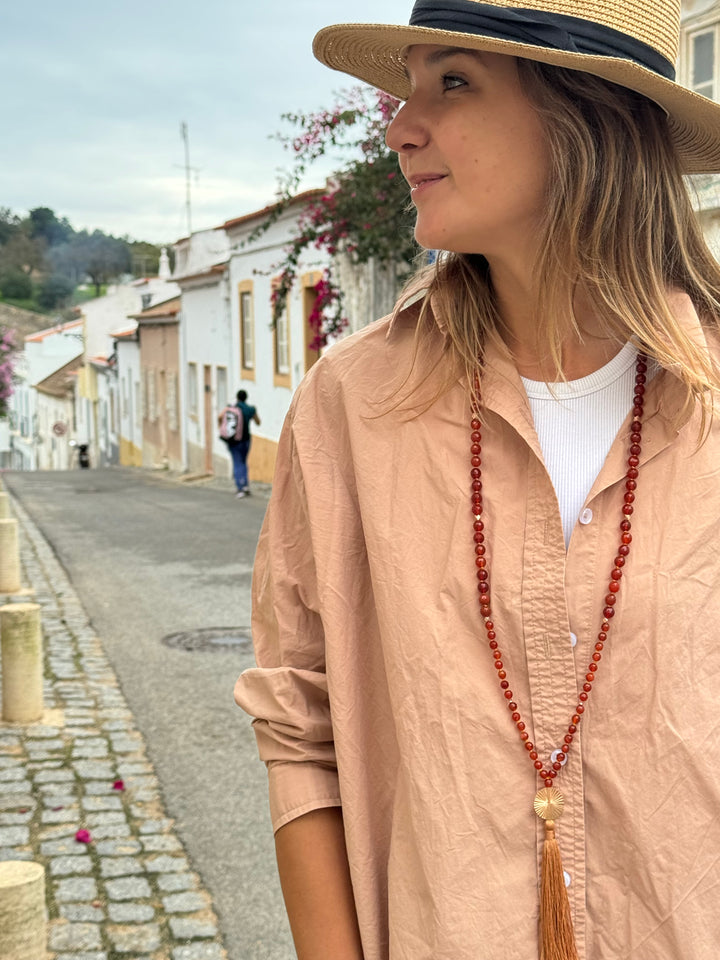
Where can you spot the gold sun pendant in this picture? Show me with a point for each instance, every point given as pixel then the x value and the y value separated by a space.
pixel 549 803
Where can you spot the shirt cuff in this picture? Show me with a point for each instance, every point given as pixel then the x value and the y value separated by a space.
pixel 298 788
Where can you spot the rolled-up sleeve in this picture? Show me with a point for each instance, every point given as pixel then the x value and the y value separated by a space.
pixel 287 693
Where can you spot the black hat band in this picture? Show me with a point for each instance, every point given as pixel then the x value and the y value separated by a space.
pixel 554 31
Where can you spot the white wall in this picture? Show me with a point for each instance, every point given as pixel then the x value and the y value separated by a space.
pixel 258 262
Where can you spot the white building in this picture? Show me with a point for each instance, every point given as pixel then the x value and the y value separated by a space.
pixel 43 354
pixel 56 418
pixel 699 70
pixel 205 361
pixel 98 401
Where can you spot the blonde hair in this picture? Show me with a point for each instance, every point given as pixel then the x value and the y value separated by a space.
pixel 619 224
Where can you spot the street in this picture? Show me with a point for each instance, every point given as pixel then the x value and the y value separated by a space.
pixel 150 558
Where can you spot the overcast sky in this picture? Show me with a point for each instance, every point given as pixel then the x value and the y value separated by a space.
pixel 94 94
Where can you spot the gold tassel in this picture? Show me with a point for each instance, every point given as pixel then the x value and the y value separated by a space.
pixel 557 937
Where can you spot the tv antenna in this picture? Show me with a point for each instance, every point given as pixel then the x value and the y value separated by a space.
pixel 188 171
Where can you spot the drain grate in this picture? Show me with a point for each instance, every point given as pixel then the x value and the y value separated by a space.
pixel 211 638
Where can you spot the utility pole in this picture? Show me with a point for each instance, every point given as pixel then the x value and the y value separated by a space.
pixel 186 141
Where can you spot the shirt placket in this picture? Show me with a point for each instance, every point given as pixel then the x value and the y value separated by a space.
pixel 547 634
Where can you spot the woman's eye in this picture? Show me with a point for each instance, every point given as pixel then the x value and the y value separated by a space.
pixel 451 82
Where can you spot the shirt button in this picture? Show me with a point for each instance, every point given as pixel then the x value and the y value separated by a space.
pixel 557 756
pixel 573 639
pixel 586 516
pixel 567 878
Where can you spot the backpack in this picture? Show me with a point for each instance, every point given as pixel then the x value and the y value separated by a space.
pixel 231 425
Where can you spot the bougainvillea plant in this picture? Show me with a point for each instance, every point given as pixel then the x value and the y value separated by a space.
pixel 364 212
pixel 7 363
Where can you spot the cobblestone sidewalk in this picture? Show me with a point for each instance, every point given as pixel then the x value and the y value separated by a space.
pixel 129 891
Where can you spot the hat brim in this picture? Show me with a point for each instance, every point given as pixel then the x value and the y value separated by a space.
pixel 375 53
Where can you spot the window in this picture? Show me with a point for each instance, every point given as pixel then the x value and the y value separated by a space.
pixel 152 394
pixel 703 63
pixel 247 331
pixel 221 387
pixel 171 404
pixel 701 68
pixel 309 299
pixel 282 346
pixel 192 390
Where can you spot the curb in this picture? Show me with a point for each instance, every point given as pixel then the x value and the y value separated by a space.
pixel 79 796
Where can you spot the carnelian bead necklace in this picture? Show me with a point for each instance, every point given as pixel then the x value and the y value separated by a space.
pixel 548 801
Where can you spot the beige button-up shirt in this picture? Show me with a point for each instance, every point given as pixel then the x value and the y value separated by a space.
pixel 375 687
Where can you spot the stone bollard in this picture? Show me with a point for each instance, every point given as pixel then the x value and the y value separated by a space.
pixel 23 918
pixel 9 556
pixel 22 666
pixel 4 506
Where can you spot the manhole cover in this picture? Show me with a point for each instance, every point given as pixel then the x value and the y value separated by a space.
pixel 211 638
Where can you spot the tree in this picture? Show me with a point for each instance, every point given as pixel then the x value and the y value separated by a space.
pixel 15 285
pixel 55 291
pixel 105 258
pixel 45 225
pixel 364 212
pixel 7 361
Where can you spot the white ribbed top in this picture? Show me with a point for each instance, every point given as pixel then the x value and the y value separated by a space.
pixel 576 422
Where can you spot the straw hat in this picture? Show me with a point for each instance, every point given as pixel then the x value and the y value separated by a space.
pixel 633 43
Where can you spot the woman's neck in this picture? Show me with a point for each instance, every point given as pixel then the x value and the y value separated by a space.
pixel 580 355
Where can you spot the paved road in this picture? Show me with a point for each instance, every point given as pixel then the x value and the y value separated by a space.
pixel 150 558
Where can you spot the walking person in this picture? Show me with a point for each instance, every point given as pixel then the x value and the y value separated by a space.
pixel 487 590
pixel 234 423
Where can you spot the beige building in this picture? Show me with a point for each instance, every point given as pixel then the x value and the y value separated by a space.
pixel 158 328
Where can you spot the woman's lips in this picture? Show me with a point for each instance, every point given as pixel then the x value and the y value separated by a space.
pixel 422 182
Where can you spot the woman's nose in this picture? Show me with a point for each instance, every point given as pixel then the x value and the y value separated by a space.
pixel 406 131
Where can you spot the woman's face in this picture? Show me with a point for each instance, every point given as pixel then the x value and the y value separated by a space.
pixel 473 150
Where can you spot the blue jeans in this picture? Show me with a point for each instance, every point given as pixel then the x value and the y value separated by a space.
pixel 239 453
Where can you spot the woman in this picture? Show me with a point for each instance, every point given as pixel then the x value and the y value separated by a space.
pixel 492 592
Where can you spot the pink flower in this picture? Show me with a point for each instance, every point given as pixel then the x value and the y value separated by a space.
pixel 83 836
pixel 119 785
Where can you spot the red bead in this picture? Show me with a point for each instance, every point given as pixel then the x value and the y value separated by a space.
pixel 587 687
pixel 633 474
pixel 534 756
pixel 610 599
pixel 626 539
pixel 557 766
pixel 575 720
pixel 515 716
pixel 498 664
pixel 597 657
pixel 572 728
pixel 508 694
pixel 592 666
pixel 608 612
pixel 565 748
pixel 475 449
pixel 504 685
pixel 583 697
pixel 613 587
pixel 538 765
pixel 589 677
pixel 548 782
pixel 634 461
pixel 502 673
pixel 475 461
pixel 491 634
pixel 489 625
pixel 568 739
pixel 475 436
pixel 600 646
pixel 627 509
pixel 580 708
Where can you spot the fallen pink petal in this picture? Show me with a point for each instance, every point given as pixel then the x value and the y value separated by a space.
pixel 83 836
pixel 119 785
pixel 58 808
